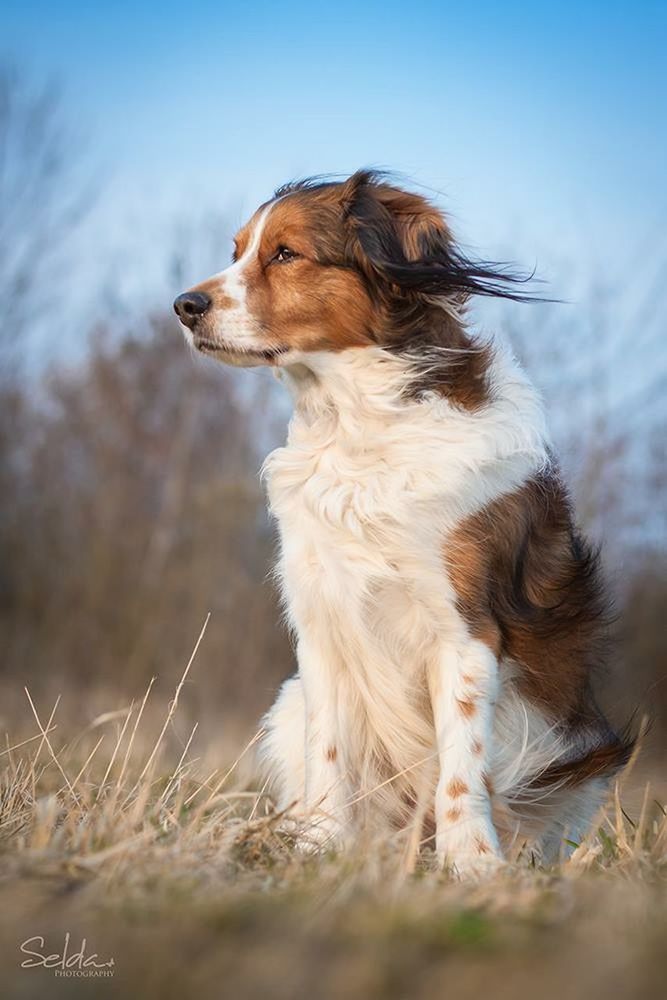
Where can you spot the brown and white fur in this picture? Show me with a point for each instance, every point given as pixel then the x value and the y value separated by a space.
pixel 448 616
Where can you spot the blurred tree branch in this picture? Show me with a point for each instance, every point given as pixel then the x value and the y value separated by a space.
pixel 45 191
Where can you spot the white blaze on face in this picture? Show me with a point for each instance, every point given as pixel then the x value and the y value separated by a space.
pixel 235 325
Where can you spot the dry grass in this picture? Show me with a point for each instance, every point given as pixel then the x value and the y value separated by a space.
pixel 185 875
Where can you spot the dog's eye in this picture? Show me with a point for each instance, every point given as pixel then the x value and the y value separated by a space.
pixel 283 254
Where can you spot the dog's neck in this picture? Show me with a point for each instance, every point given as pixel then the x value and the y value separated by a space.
pixel 354 383
pixel 434 353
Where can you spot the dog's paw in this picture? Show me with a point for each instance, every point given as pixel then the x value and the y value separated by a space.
pixel 474 867
pixel 318 834
pixel 470 853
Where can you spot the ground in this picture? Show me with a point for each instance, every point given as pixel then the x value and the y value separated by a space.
pixel 186 878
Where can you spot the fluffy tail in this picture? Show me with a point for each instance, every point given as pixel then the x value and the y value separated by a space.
pixel 601 760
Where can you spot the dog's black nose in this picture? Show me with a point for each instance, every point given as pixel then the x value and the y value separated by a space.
pixel 190 306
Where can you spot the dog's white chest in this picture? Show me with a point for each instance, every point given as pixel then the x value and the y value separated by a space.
pixel 360 559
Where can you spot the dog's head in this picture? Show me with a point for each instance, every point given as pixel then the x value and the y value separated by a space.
pixel 326 266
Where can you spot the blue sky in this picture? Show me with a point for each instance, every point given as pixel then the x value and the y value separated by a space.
pixel 541 125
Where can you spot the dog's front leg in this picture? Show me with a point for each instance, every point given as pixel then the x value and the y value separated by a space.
pixel 325 784
pixel 463 683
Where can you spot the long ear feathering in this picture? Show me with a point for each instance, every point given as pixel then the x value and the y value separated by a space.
pixel 401 239
pixel 456 274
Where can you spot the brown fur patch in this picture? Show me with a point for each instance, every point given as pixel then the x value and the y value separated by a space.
pixel 417 222
pixel 456 788
pixel 461 371
pixel 477 747
pixel 453 815
pixel 482 846
pixel 332 754
pixel 528 587
pixel 467 707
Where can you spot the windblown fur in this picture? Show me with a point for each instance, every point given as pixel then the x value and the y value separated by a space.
pixel 448 617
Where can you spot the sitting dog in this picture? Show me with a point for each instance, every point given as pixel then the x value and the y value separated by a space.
pixel 449 618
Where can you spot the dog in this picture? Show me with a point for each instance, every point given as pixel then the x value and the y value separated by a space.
pixel 449 617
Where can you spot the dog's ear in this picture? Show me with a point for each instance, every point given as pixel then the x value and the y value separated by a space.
pixel 387 225
pixel 401 242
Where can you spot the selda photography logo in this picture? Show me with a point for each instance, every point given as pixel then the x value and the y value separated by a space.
pixel 69 962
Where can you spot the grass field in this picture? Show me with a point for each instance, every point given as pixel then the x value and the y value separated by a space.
pixel 181 872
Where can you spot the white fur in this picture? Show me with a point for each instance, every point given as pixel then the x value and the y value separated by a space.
pixel 236 325
pixel 367 492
